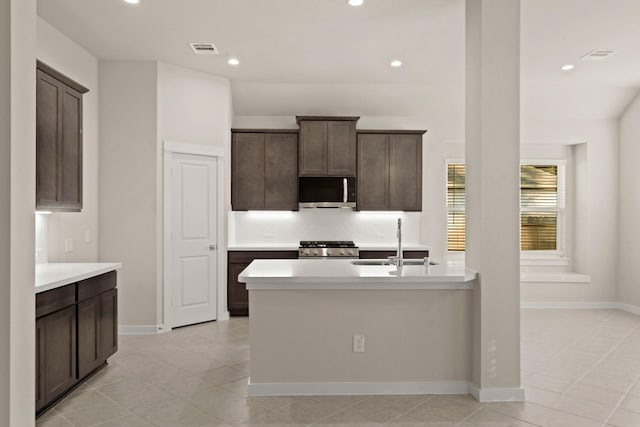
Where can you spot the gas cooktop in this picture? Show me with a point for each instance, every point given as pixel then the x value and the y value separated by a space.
pixel 327 244
pixel 328 249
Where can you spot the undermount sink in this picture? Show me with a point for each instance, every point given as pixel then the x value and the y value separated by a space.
pixel 387 262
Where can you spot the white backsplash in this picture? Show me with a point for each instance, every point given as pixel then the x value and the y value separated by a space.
pixel 42 255
pixel 255 227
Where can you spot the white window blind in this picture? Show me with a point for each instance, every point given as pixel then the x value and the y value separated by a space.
pixel 542 204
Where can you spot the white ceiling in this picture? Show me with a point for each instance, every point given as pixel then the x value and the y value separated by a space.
pixel 325 57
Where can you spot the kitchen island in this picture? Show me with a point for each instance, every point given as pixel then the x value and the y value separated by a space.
pixel 310 319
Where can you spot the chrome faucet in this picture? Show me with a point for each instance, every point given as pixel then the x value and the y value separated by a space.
pixel 398 260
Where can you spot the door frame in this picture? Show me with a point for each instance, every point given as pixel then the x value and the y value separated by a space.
pixel 164 298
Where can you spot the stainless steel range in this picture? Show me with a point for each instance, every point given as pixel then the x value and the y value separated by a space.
pixel 328 249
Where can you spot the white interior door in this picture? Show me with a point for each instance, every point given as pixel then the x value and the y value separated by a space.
pixel 194 236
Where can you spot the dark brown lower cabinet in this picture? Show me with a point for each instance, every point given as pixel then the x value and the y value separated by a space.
pixel 97 335
pixel 56 355
pixel 385 254
pixel 76 331
pixel 237 294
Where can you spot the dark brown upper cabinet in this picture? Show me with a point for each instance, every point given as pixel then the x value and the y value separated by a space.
pixel 389 170
pixel 58 141
pixel 264 173
pixel 327 146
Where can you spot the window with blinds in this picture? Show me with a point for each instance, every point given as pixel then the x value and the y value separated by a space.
pixel 455 207
pixel 541 206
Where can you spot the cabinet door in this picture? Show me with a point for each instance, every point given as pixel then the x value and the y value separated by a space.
pixel 237 294
pixel 40 369
pixel 108 324
pixel 405 183
pixel 313 148
pixel 247 180
pixel 88 336
pixel 70 151
pixel 373 172
pixel 341 148
pixel 281 172
pixel 48 133
pixel 97 331
pixel 58 145
pixel 60 352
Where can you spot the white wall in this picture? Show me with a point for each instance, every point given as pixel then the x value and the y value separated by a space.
pixel 629 205
pixel 142 105
pixel 17 204
pixel 596 201
pixel 127 184
pixel 194 108
pixel 69 58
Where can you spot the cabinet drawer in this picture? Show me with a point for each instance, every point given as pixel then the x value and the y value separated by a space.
pixel 96 285
pixel 245 257
pixel 55 299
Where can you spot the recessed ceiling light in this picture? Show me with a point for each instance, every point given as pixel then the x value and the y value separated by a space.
pixel 132 1
pixel 233 61
pixel 355 2
pixel 396 63
pixel 567 67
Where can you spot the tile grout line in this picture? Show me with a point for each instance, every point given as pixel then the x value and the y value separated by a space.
pixel 589 332
pixel 409 410
pixel 636 327
pixel 626 393
pixel 572 343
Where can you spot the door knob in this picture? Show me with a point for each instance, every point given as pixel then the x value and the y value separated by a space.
pixel 212 247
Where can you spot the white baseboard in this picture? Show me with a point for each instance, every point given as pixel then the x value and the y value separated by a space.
pixel 588 305
pixel 569 304
pixel 512 394
pixel 629 308
pixel 332 389
pixel 141 329
pixel 223 316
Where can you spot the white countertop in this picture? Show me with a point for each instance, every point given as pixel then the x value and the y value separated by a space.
pixel 294 247
pixel 341 274
pixel 54 275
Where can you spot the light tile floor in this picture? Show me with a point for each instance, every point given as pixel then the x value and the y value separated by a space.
pixel 579 368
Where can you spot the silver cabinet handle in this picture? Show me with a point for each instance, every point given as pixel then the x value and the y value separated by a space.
pixel 345 193
pixel 212 247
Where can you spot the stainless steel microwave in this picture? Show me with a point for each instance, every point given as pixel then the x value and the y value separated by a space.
pixel 326 192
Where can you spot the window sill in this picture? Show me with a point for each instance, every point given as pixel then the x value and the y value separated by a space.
pixel 526 260
pixel 577 278
pixel 544 260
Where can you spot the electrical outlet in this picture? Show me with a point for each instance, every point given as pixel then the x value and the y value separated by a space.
pixel 87 236
pixel 358 343
pixel 68 245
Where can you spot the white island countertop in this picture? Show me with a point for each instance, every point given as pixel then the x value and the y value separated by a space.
pixel 342 274
pixel 54 275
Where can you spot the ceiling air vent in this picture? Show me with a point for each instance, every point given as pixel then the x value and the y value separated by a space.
pixel 204 48
pixel 597 55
